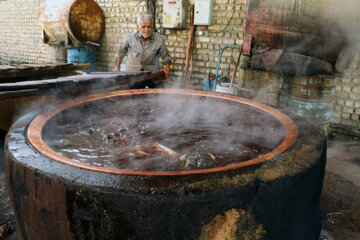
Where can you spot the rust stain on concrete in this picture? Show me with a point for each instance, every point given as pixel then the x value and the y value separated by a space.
pixel 233 224
pixel 223 226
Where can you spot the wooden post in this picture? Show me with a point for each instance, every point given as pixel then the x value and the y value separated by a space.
pixel 151 9
pixel 186 81
pixel 33 70
pixel 235 70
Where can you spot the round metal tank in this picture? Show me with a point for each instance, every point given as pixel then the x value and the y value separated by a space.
pixel 317 28
pixel 79 20
pixel 309 96
pixel 273 196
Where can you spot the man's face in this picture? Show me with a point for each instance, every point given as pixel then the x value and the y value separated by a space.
pixel 145 28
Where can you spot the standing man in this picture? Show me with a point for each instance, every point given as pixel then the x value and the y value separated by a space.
pixel 143 49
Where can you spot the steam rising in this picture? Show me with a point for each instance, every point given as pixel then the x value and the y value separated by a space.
pixel 122 133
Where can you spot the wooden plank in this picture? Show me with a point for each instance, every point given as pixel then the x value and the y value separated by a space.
pixel 186 81
pixel 34 70
pixel 5 67
pixel 33 65
pixel 103 80
pixel 19 93
pixel 121 73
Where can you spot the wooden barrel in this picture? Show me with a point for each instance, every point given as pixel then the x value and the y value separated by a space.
pixel 275 196
pixel 309 96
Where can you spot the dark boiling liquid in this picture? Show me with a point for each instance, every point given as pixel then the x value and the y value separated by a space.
pixel 162 133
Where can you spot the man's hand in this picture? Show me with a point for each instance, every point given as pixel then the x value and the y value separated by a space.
pixel 118 63
pixel 166 70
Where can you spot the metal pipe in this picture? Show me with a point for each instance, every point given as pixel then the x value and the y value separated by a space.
pixel 218 64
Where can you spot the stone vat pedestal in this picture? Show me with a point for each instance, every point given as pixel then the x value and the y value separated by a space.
pixel 277 198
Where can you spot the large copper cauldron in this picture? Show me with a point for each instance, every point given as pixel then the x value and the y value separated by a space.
pixel 272 196
pixel 318 28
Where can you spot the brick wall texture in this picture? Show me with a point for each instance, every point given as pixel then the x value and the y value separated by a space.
pixel 21 40
pixel 346 113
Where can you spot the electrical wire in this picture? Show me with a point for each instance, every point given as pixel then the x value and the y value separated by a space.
pixel 232 15
pixel 228 23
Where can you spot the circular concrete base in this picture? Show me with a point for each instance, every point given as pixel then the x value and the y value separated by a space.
pixel 277 199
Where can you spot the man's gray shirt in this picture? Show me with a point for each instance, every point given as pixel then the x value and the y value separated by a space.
pixel 141 56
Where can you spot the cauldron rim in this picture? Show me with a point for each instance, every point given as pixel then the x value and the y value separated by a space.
pixel 34 132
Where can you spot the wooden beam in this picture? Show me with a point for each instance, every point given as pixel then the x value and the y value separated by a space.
pixel 108 79
pixel 151 9
pixel 33 70
pixel 189 49
pixel 19 93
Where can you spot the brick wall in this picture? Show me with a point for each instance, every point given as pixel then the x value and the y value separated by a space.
pixel 21 40
pixel 346 113
pixel 20 33
pixel 121 18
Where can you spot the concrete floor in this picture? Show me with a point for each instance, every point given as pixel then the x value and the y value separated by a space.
pixel 340 203
pixel 343 157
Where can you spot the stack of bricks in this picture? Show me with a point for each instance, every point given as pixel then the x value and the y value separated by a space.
pixel 346 114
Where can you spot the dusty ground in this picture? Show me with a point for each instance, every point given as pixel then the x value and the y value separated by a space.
pixel 340 203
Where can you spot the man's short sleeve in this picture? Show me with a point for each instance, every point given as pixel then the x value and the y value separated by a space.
pixel 124 46
pixel 164 53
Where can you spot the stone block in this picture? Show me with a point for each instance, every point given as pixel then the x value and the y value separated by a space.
pixel 335 120
pixel 348 110
pixel 345 115
pixel 349 123
pixel 202 52
pixel 338 108
pixel 346 88
pixel 356 89
pixel 342 94
pixel 346 80
pixel 349 103
pixel 336 114
pixel 354 97
pixel 355 117
pixel 203 39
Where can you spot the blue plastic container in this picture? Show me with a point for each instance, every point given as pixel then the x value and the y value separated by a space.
pixel 208 84
pixel 80 55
